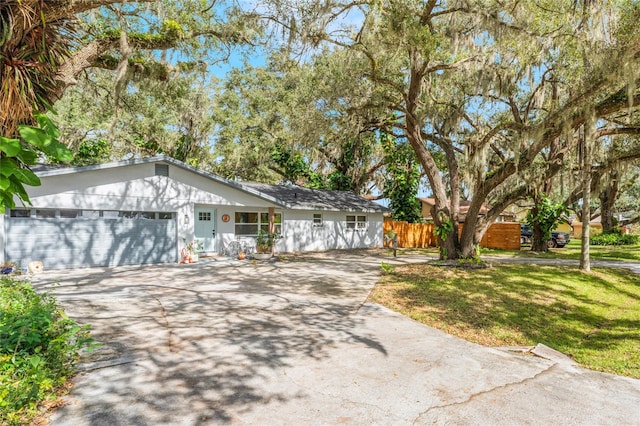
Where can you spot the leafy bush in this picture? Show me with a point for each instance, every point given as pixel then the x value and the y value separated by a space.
pixel 615 239
pixel 545 216
pixel 38 346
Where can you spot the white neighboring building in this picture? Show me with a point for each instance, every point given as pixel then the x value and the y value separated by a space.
pixel 140 211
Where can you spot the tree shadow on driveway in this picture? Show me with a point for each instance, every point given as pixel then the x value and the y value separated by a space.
pixel 197 343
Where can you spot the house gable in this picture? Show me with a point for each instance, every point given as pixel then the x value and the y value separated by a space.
pixel 134 186
pixel 290 197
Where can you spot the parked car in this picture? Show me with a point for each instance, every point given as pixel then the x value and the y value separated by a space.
pixel 558 239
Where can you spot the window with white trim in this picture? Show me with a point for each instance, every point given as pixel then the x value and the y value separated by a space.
pixel 356 222
pixel 248 223
pixel 277 222
pixel 317 220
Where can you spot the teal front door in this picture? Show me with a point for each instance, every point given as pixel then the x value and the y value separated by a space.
pixel 205 228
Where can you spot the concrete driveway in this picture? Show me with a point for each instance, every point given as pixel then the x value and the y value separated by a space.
pixel 292 342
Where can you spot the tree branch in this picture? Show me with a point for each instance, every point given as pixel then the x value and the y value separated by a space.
pixel 56 10
pixel 617 131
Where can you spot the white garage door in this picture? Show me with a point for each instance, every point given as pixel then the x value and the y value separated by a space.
pixel 87 238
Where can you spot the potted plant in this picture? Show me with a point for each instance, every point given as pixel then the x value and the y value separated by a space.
pixel 191 250
pixel 264 244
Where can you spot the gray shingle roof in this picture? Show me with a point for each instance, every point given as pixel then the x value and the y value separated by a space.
pixel 296 197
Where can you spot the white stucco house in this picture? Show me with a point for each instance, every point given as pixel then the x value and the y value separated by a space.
pixel 140 211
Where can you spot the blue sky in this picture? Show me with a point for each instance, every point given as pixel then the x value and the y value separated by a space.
pixel 237 58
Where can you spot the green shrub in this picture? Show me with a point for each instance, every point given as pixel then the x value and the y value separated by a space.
pixel 615 231
pixel 614 239
pixel 38 346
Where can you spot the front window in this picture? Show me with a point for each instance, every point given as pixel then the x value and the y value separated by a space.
pixel 277 222
pixel 317 219
pixel 248 223
pixel 356 222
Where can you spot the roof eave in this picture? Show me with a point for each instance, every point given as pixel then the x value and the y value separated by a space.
pixel 166 159
pixel 349 210
pixel 236 185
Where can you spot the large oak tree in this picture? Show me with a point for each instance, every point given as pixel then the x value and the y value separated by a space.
pixel 502 89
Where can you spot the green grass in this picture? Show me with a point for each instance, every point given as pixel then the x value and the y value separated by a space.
pixel 630 253
pixel 592 317
pixel 623 253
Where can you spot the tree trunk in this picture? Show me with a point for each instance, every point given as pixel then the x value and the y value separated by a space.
pixel 538 242
pixel 607 199
pixel 449 247
pixel 469 240
pixel 472 230
pixel 585 260
pixel 441 212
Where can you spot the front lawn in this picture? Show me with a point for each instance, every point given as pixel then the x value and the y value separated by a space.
pixel 594 317
pixel 624 253
pixel 572 251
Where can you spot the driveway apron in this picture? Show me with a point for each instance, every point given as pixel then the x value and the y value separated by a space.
pixel 293 342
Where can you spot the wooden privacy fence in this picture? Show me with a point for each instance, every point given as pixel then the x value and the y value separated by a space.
pixel 418 235
pixel 500 235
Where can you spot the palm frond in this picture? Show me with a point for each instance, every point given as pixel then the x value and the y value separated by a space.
pixel 31 50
